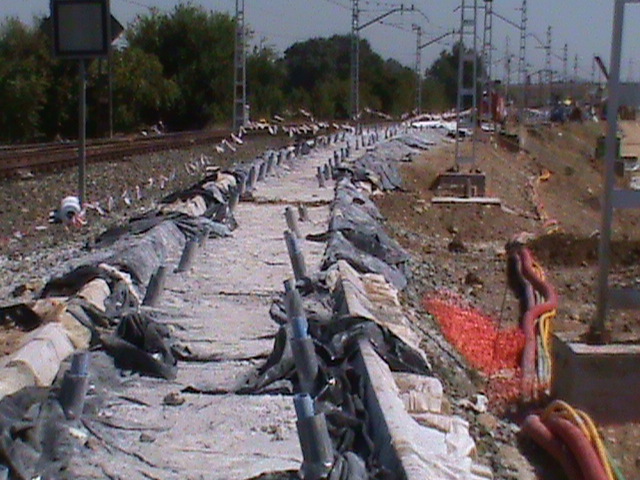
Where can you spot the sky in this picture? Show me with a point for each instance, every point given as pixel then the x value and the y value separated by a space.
pixel 584 25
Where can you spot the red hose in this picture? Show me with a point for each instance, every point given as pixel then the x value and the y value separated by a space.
pixel 583 452
pixel 529 321
pixel 538 432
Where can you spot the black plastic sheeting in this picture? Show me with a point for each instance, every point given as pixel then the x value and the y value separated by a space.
pixel 36 440
pixel 355 235
pixel 34 434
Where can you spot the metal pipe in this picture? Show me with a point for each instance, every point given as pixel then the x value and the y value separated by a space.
pixel 303 404
pixel 296 256
pixel 292 221
pixel 271 165
pixel 326 172
pixel 234 199
pixel 155 287
pixel 188 254
pixel 598 327
pixel 262 170
pixel 320 177
pixel 251 183
pixel 80 363
pixel 289 286
pixel 82 140
pixel 74 386
pixel 306 361
pixel 303 213
pixel 315 443
pixel 296 315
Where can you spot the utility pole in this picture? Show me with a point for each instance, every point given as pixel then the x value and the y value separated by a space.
pixel 575 76
pixel 420 47
pixel 548 64
pixel 355 60
pixel 565 67
pixel 522 59
pixel 467 91
pixel 240 70
pixel 418 30
pixel 487 48
pixel 507 68
pixel 356 27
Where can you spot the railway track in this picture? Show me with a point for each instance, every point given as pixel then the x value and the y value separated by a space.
pixel 50 157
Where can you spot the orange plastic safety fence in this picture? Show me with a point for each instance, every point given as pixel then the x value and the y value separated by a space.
pixel 494 351
pixel 476 336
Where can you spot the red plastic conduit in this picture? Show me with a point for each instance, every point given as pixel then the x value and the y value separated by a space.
pixel 580 446
pixel 529 321
pixel 538 432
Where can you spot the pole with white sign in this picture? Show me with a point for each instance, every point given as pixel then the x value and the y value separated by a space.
pixel 81 31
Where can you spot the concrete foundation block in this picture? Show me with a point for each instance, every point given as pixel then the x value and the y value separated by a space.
pixel 602 380
pixel 420 394
pixel 43 351
pixel 15 378
pixel 413 450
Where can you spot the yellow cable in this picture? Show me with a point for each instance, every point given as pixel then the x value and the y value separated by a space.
pixel 586 425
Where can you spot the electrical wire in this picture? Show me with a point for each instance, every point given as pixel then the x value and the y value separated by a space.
pixel 338 4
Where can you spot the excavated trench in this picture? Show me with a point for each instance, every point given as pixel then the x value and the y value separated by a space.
pixel 106 307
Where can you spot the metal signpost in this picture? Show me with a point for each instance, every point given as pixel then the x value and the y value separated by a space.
pixel 613 198
pixel 81 31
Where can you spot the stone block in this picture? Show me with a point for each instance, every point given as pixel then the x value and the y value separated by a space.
pixel 602 380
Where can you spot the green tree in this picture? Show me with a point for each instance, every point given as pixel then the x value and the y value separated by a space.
pixel 24 79
pixel 195 49
pixel 319 72
pixel 141 92
pixel 444 71
pixel 266 79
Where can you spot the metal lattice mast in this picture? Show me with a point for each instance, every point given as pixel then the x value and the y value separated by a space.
pixel 240 70
pixel 593 70
pixel 522 58
pixel 565 65
pixel 418 30
pixel 576 66
pixel 507 68
pixel 355 60
pixel 467 79
pixel 612 197
pixel 487 53
pixel 548 64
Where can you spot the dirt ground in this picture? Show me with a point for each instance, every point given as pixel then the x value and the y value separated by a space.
pixel 551 192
